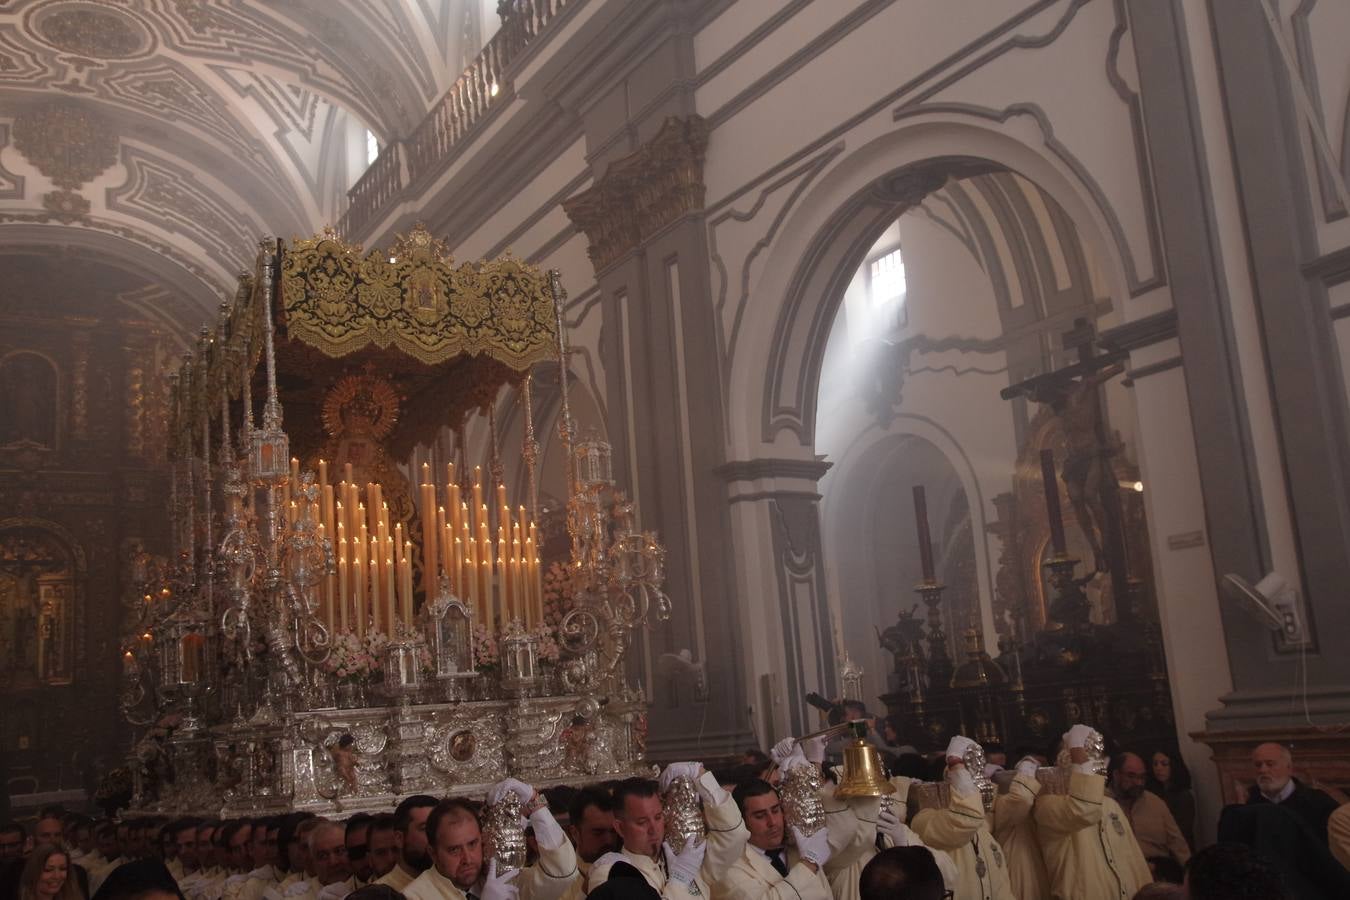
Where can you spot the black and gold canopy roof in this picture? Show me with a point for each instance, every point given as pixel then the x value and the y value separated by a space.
pixel 446 335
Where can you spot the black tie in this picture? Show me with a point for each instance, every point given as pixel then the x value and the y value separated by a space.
pixel 776 860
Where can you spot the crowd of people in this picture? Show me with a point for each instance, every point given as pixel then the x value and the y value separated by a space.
pixel 1116 836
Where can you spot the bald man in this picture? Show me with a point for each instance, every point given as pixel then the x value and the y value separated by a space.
pixel 1154 827
pixel 1275 783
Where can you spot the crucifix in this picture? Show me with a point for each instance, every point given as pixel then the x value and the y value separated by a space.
pixel 1074 393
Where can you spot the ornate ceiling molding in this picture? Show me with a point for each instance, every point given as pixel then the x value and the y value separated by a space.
pixel 176 200
pixel 67 141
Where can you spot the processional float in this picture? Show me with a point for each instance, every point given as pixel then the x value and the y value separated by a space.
pixel 327 635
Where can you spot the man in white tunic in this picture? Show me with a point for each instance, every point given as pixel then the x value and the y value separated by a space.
pixel 641 824
pixel 457 871
pixel 962 829
pixel 770 869
pixel 410 828
pixel 1090 851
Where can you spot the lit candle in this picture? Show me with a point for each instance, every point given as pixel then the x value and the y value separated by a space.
pixel 342 583
pixel 503 577
pixel 373 557
pixel 530 591
pixel 396 548
pixel 431 532
pixel 323 473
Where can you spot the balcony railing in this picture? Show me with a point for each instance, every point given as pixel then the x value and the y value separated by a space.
pixel 452 120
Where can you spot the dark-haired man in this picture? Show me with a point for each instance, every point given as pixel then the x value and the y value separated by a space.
pixel 13 836
pixel 458 872
pixel 902 873
pixel 640 822
pixel 590 825
pixel 358 847
pixel 382 843
pixel 769 869
pixel 263 859
pixel 410 824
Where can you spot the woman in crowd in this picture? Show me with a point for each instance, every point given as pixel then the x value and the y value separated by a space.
pixel 46 876
pixel 1170 780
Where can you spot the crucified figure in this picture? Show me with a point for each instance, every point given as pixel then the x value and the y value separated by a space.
pixel 1087 470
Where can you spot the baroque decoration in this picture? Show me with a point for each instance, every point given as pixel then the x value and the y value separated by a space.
pixel 323 634
pixel 66 141
pixel 413 298
pixel 643 192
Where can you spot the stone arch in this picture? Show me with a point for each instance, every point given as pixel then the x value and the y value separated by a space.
pixel 867 461
pixel 776 370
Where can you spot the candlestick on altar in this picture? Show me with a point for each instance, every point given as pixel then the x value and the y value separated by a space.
pixel 1051 483
pixel 925 539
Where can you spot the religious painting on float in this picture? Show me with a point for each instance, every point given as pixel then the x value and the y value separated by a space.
pixel 359 413
pixel 36 610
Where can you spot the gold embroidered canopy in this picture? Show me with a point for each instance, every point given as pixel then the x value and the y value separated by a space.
pixel 446 336
pixel 414 299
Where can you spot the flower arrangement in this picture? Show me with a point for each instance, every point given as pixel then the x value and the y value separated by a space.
pixel 486 656
pixel 354 659
pixel 559 594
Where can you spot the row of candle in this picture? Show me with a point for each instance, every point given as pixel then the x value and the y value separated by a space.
pixel 373 585
pixel 499 579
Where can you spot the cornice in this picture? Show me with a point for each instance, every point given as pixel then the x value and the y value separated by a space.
pixel 773 467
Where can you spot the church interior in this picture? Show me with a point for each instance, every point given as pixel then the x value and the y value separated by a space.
pixel 399 396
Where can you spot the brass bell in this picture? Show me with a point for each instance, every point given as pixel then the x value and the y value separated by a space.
pixel 864 775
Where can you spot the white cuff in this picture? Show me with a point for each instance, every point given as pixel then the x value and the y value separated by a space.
pixel 547 832
pixel 713 794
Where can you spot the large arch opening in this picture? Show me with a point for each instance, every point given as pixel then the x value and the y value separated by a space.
pixel 1010 262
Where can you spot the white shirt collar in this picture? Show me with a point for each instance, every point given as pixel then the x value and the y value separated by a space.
pixel 1283 794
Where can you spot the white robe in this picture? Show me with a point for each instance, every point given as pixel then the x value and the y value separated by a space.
pixel 1090 851
pixel 727 837
pixel 397 878
pixel 962 830
pixel 548 879
pixel 1015 829
pixel 753 877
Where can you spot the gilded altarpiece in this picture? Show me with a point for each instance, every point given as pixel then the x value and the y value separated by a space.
pixel 81 453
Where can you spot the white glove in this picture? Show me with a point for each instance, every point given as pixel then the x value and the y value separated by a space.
pixel 783 750
pixel 499 887
pixel 814 848
pixel 889 824
pixel 685 865
pixel 957 747
pixel 690 770
pixel 960 779
pixel 1027 766
pixel 1076 737
pixel 547 832
pixel 814 750
pixel 510 786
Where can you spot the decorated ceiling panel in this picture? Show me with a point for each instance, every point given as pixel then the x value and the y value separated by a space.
pixel 187 128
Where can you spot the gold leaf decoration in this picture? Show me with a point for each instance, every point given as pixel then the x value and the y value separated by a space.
pixel 414 298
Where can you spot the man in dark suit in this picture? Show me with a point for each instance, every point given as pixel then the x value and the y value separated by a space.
pixel 1275 783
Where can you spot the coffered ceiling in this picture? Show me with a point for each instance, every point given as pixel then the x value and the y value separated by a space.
pixel 172 134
